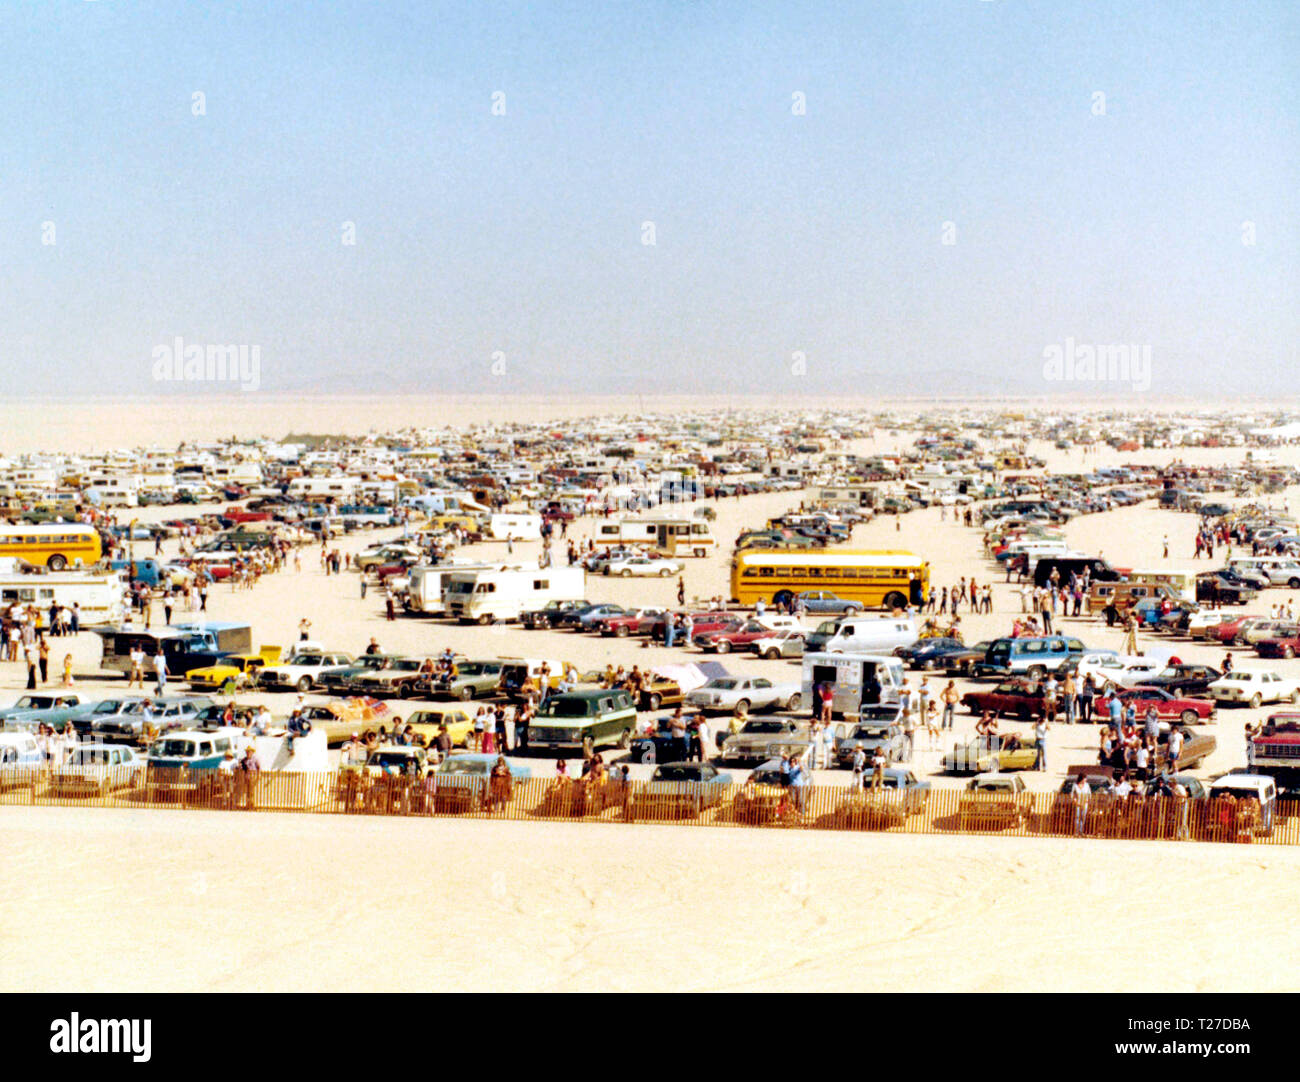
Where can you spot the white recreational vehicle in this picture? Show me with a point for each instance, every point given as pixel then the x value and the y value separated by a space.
pixel 337 487
pixel 493 594
pixel 100 598
pixel 674 536
pixel 427 583
pixel 522 527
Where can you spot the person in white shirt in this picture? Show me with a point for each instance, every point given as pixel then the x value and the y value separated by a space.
pixel 1080 793
pixel 705 736
pixel 137 667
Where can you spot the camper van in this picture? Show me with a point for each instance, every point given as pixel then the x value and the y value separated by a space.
pixel 428 583
pixel 855 680
pixel 100 598
pixel 673 536
pixel 112 494
pixel 337 487
pixel 493 594
pixel 521 527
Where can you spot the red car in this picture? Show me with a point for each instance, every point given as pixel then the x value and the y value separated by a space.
pixel 736 637
pixel 239 514
pixel 1286 646
pixel 1168 706
pixel 1015 698
pixel 631 623
pixel 1227 632
pixel 702 622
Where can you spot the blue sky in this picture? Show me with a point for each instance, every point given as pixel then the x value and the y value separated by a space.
pixel 774 233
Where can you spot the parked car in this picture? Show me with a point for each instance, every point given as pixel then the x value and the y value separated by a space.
pixel 787 642
pixel 994 802
pixel 345 681
pixel 820 601
pixel 632 622
pixel 929 654
pixel 405 677
pixel 1255 799
pixel 231 672
pixel 761 739
pixel 680 789
pixel 161 715
pixel 303 670
pixel 1021 699
pixel 547 616
pixel 1280 646
pixel 657 691
pixel 1168 705
pixel 584 720
pixel 900 796
pixel 724 640
pixel 471 680
pixel 747 693
pixel 1011 751
pixel 869 735
pixel 1253 687
pixel 42 708
pixel 463 783
pixel 98 768
pixel 84 717
pixel 643 566
pixel 1184 679
pixel 1119 671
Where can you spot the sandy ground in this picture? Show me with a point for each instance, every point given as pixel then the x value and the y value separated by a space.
pixel 315 903
pixel 583 906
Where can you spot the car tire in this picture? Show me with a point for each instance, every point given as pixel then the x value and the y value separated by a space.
pixel 1294 583
pixel 1036 672
pixel 485 620
pixel 724 647
pixel 927 665
pixel 794 702
pixel 303 685
pixel 626 573
pixel 1256 701
pixel 1288 652
pixel 621 631
pixel 895 600
pixel 653 701
pixel 625 739
pixel 665 572
pixel 742 703
pixel 405 691
pixel 465 694
pixel 772 655
pixel 1189 717
pixel 852 610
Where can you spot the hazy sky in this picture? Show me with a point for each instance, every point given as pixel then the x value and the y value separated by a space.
pixel 777 235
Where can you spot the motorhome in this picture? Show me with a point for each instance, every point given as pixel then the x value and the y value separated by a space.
pixel 493 594
pixel 674 536
pixel 100 597
pixel 519 527
pixel 112 494
pixel 872 635
pixel 428 582
pixel 335 487
pixel 855 680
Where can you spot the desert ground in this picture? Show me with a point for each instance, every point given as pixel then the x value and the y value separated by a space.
pixel 589 906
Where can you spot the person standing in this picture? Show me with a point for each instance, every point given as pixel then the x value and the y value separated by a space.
pixel 1040 744
pixel 1079 793
pixel 681 590
pixel 160 671
pixel 304 629
pixel 74 621
pixel 949 698
pixel 137 667
pixel 43 659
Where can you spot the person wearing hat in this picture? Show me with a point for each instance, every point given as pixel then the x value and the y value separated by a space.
pixel 354 754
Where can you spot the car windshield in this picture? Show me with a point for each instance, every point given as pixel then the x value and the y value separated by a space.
pixel 826 627
pixel 565 708
pixel 407 665
pixel 677 772
pixel 763 727
pixel 391 758
pixel 108 706
pixel 473 668
pixel 172 749
pixel 869 732
pixel 464 766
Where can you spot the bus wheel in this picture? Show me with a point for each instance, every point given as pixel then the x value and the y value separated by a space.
pixel 57 562
pixel 895 600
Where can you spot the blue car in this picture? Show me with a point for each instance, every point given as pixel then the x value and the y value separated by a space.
pixel 31 711
pixel 817 601
pixel 677 789
pixel 930 654
pixel 590 620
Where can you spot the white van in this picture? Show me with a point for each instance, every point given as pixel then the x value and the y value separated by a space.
pixel 872 635
pixel 112 494
pixel 855 680
pixel 493 594
pixel 319 488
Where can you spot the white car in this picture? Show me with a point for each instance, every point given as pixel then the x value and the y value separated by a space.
pixel 98 768
pixel 1117 670
pixel 642 565
pixel 787 642
pixel 1254 687
pixel 303 670
pixel 726 694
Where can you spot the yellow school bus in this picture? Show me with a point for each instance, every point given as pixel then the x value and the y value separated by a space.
pixel 55 545
pixel 880 578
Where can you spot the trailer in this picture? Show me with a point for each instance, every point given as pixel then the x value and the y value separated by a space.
pixel 491 594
